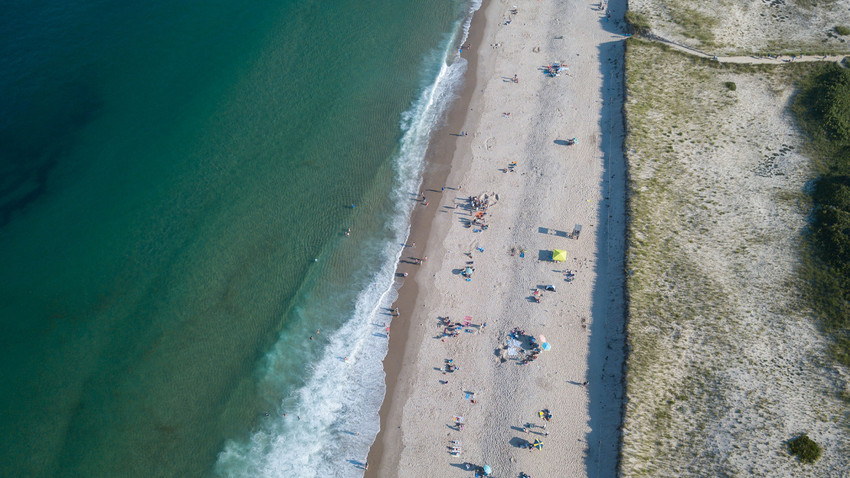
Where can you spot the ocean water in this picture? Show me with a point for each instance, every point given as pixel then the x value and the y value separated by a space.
pixel 175 183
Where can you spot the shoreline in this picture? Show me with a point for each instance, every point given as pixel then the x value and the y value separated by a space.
pixel 439 166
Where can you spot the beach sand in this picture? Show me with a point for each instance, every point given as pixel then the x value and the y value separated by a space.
pixel 553 188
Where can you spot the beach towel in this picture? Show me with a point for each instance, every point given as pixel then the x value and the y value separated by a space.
pixel 513 347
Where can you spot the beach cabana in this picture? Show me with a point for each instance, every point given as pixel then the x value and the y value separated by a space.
pixel 486 469
pixel 559 255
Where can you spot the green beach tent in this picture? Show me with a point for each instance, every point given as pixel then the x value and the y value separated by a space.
pixel 559 255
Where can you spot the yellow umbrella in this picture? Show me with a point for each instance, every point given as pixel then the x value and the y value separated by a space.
pixel 558 255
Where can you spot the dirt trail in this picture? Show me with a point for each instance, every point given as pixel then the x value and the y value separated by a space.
pixel 752 59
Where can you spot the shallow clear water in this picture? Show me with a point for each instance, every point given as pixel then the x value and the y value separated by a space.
pixel 175 181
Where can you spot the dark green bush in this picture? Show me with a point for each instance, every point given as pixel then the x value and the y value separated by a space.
pixel 842 30
pixel 832 222
pixel 730 85
pixel 804 448
pixel 834 191
pixel 823 109
pixel 833 105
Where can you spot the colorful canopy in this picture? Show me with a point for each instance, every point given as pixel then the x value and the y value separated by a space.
pixel 487 469
pixel 559 255
pixel 538 444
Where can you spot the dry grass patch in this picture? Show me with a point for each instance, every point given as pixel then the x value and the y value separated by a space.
pixel 725 364
pixel 767 26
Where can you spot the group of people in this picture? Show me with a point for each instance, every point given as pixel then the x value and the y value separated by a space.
pixel 479 203
pixel 554 69
pixel 532 354
pixel 452 329
pixel 478 207
pixel 449 366
pixel 478 220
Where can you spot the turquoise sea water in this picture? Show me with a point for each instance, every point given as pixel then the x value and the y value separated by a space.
pixel 175 181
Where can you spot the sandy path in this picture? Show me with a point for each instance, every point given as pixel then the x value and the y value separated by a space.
pixel 750 59
pixel 554 188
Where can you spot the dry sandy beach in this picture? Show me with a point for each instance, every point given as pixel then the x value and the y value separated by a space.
pixel 551 189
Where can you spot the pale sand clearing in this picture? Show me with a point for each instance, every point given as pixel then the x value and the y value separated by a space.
pixel 554 187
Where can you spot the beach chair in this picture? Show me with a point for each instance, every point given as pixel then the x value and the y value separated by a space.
pixel 576 232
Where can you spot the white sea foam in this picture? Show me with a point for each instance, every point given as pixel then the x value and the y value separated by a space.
pixel 339 403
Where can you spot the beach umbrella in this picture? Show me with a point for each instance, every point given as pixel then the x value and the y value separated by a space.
pixel 546 346
pixel 559 255
pixel 538 444
pixel 487 469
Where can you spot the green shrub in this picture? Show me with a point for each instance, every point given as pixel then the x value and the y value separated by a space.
pixel 834 106
pixel 638 23
pixel 730 85
pixel 842 30
pixel 823 109
pixel 804 448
